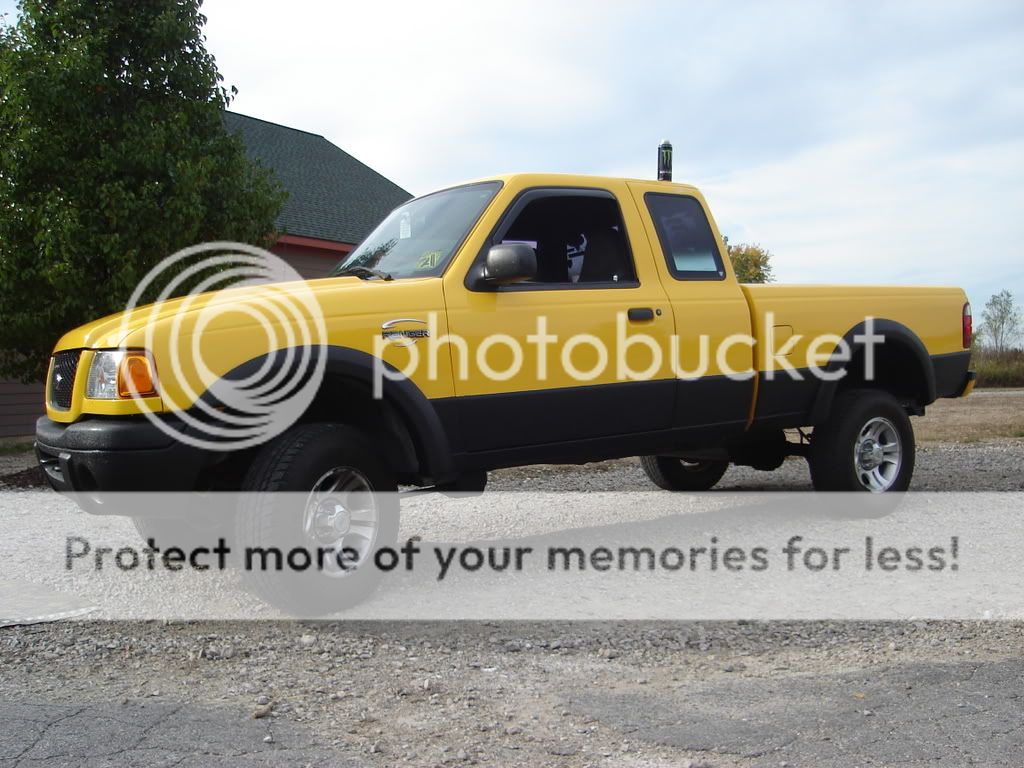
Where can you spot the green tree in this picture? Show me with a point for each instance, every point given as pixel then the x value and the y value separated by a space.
pixel 1001 322
pixel 113 155
pixel 751 262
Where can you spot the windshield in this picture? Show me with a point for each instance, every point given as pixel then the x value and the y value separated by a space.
pixel 419 238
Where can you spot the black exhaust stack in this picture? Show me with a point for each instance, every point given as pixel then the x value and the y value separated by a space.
pixel 665 161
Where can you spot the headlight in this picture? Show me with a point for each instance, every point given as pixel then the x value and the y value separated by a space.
pixel 120 374
pixel 102 383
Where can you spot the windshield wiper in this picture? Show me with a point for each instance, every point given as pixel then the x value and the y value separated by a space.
pixel 363 272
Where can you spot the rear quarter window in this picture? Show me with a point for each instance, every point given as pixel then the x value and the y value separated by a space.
pixel 687 242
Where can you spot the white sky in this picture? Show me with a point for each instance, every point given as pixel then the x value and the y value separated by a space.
pixel 858 141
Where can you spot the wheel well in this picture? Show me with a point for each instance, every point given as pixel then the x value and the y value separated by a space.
pixel 345 400
pixel 897 369
pixel 340 400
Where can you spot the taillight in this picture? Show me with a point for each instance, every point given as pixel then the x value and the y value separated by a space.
pixel 968 326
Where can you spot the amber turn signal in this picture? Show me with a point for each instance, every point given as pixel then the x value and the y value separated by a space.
pixel 136 376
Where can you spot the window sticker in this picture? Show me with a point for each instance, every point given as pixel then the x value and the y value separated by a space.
pixel 405 227
pixel 429 260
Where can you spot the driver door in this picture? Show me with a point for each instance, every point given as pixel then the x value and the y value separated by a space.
pixel 542 362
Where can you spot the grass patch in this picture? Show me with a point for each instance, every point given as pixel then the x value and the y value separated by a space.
pixel 15 448
pixel 973 419
pixel 999 370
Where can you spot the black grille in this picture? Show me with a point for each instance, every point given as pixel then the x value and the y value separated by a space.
pixel 62 380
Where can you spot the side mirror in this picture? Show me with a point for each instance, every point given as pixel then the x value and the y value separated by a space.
pixel 510 263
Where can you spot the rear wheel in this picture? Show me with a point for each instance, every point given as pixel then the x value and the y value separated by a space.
pixel 674 474
pixel 323 489
pixel 867 444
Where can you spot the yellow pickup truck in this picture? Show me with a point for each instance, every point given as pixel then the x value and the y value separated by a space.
pixel 517 320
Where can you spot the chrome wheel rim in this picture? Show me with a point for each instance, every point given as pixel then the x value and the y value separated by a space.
pixel 341 516
pixel 691 465
pixel 878 455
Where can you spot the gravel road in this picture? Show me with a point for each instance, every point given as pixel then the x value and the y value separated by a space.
pixel 990 466
pixel 721 694
pixel 581 694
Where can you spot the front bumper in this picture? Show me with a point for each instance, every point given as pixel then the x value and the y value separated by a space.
pixel 116 454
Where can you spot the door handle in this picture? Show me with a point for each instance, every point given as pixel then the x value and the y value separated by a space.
pixel 640 314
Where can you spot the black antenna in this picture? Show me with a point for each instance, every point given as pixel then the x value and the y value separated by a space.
pixel 665 161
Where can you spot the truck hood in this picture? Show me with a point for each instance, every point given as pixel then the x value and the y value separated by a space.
pixel 336 297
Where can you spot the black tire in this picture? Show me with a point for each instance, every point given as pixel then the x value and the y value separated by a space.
pixel 276 492
pixel 674 474
pixel 833 456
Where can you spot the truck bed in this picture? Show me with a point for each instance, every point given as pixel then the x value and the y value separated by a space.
pixel 924 341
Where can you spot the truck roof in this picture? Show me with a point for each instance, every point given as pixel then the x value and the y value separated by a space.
pixel 573 180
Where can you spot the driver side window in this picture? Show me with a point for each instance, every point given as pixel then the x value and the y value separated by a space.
pixel 579 240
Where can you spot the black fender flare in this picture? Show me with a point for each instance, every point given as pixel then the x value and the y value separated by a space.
pixel 891 331
pixel 397 391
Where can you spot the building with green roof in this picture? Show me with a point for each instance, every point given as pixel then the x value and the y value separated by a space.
pixel 334 201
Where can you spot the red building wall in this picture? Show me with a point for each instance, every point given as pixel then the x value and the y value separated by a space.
pixel 309 257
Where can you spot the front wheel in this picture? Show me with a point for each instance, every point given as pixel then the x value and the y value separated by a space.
pixel 867 444
pixel 323 489
pixel 674 474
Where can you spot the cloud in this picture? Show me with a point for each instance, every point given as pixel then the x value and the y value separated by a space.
pixel 868 142
pixel 865 211
pixel 425 92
